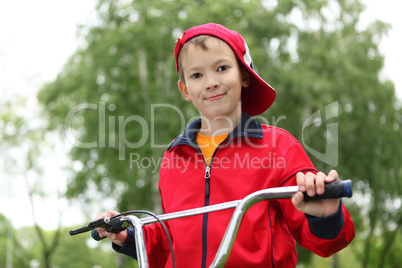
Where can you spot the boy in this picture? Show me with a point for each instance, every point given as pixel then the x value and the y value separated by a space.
pixel 232 156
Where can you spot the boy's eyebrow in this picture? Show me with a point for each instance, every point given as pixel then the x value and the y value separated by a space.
pixel 222 60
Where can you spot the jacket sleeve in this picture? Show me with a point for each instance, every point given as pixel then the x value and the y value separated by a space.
pixel 128 247
pixel 156 244
pixel 323 236
pixel 327 227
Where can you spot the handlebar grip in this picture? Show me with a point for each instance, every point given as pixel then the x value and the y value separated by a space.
pixel 335 189
pixel 114 226
pixel 79 230
pixel 95 235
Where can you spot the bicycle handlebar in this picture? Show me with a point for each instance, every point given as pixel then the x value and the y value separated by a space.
pixel 336 189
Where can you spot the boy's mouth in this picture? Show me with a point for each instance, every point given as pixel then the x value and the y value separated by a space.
pixel 215 97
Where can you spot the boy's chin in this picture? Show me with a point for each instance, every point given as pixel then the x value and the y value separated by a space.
pixel 220 114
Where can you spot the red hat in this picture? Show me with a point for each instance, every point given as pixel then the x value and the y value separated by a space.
pixel 256 98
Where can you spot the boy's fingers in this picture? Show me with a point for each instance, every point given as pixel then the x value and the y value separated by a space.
pixel 99 216
pixel 310 183
pixel 297 199
pixel 332 176
pixel 319 183
pixel 111 213
pixel 102 231
pixel 301 181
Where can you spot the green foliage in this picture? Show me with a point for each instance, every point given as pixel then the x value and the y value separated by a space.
pixel 84 252
pixel 74 251
pixel 11 252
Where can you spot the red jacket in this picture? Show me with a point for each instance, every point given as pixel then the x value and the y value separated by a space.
pixel 253 157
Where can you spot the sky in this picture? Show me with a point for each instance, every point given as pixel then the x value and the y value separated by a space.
pixel 388 11
pixel 36 39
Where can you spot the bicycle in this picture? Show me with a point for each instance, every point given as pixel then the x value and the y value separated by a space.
pixel 118 223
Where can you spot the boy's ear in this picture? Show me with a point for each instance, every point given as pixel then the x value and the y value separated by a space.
pixel 246 78
pixel 184 91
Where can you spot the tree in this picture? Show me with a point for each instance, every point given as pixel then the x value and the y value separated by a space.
pixel 21 145
pixel 81 252
pixel 13 253
pixel 121 86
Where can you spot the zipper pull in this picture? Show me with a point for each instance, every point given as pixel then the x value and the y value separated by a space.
pixel 207 177
pixel 207 172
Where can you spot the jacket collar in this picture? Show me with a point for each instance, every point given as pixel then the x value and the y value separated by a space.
pixel 247 127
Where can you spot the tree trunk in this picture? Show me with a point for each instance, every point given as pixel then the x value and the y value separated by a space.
pixel 46 249
pixel 10 246
pixel 389 240
pixel 367 242
pixel 334 260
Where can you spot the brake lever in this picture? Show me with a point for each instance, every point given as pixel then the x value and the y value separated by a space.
pixel 115 225
pixel 111 224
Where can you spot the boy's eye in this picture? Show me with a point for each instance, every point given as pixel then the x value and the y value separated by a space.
pixel 222 68
pixel 196 75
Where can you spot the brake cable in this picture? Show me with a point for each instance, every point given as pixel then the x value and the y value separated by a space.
pixel 157 218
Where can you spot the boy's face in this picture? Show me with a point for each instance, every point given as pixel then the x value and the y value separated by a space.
pixel 213 79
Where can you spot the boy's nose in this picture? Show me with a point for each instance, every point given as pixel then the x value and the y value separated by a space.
pixel 212 83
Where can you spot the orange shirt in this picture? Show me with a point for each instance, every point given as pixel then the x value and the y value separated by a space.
pixel 208 145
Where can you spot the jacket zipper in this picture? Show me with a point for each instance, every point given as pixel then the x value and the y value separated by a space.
pixel 207 177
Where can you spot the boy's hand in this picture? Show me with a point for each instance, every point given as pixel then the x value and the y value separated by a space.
pixel 117 238
pixel 314 184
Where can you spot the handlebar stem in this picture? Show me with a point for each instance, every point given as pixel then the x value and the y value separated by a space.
pixel 241 207
pixel 231 231
pixel 139 240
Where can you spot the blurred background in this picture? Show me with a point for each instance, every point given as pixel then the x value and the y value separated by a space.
pixel 73 74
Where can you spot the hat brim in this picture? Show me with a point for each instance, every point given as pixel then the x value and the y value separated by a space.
pixel 258 96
